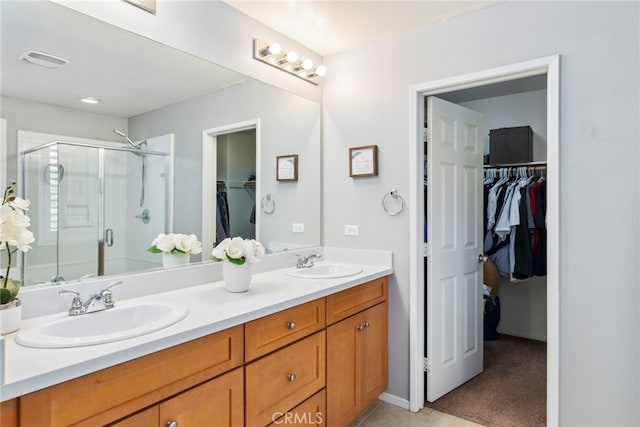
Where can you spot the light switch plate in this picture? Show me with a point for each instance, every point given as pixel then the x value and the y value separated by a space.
pixel 297 228
pixel 351 230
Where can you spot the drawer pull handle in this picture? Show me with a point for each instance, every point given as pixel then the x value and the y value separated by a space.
pixel 291 377
pixel 291 325
pixel 172 424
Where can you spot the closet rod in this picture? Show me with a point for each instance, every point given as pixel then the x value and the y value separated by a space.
pixel 515 165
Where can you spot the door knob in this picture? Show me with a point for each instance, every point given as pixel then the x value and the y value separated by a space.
pixel 482 258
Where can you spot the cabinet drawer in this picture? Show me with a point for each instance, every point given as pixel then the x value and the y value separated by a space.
pixel 278 382
pixel 112 393
pixel 311 412
pixel 346 303
pixel 270 333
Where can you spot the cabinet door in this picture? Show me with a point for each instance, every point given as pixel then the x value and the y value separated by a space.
pixel 216 403
pixel 357 369
pixel 146 418
pixel 373 352
pixel 343 371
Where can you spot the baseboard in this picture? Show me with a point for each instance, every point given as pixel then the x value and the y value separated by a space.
pixel 394 400
pixel 520 334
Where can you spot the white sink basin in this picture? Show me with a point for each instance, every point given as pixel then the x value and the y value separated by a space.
pixel 114 324
pixel 325 271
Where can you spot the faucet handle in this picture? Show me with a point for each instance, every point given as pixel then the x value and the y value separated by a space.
pixel 114 285
pixel 76 304
pixel 107 295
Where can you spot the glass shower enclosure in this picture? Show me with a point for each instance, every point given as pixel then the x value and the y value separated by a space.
pixel 94 209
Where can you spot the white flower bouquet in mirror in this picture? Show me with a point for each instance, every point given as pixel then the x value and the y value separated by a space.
pixel 238 250
pixel 176 244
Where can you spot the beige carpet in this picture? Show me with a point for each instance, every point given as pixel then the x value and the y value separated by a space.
pixel 511 392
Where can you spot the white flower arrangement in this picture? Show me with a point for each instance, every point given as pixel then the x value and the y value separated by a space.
pixel 14 224
pixel 177 244
pixel 237 251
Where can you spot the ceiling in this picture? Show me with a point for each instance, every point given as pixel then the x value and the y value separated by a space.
pixel 329 26
pixel 145 76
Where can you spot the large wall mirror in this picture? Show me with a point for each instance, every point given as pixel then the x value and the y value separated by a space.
pixel 175 102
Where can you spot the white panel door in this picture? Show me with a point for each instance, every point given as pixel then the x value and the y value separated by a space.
pixel 454 343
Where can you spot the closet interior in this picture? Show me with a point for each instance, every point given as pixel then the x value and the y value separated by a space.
pixel 236 185
pixel 514 209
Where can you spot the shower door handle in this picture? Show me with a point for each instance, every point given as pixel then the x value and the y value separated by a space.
pixel 108 237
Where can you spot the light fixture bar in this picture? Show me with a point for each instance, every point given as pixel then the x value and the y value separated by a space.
pixel 287 61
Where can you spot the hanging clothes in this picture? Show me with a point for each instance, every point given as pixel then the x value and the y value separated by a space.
pixel 515 230
pixel 222 217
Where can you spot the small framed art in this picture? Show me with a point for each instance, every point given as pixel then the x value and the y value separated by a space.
pixel 148 5
pixel 363 161
pixel 287 168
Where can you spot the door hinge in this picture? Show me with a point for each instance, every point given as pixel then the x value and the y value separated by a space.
pixel 426 364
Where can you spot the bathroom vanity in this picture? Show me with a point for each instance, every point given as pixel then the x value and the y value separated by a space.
pixel 318 356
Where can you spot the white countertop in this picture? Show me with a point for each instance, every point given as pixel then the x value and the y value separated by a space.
pixel 211 309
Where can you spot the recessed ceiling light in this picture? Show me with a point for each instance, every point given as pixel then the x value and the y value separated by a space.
pixel 90 100
pixel 43 59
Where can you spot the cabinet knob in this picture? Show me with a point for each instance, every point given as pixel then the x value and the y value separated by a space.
pixel 360 327
pixel 366 324
pixel 291 377
pixel 291 325
pixel 172 423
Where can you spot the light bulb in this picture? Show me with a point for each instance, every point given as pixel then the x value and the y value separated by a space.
pixel 307 64
pixel 274 49
pixel 291 56
pixel 321 70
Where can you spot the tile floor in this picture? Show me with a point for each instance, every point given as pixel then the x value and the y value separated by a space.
pixel 385 415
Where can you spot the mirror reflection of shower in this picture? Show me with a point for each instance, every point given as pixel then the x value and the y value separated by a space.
pixel 137 146
pixel 85 205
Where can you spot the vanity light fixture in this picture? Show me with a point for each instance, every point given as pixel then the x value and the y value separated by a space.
pixel 273 55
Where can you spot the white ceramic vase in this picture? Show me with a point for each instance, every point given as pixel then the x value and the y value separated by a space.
pixel 10 316
pixel 237 278
pixel 174 260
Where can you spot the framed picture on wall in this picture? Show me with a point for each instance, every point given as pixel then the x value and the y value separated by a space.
pixel 148 5
pixel 287 167
pixel 363 161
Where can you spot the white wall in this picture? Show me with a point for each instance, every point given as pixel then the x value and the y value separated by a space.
pixel 38 117
pixel 289 124
pixel 366 101
pixel 211 30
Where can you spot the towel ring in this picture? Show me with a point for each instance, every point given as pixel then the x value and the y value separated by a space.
pixel 392 196
pixel 267 204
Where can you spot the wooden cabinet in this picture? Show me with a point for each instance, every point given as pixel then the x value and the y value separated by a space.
pixel 113 393
pixel 272 332
pixel 279 382
pixel 357 358
pixel 319 363
pixel 311 412
pixel 218 402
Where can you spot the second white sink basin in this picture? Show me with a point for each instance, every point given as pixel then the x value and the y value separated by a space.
pixel 115 324
pixel 325 271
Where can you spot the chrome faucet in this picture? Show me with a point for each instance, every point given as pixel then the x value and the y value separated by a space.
pixel 103 297
pixel 307 261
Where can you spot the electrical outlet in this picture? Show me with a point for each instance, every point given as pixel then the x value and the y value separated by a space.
pixel 297 228
pixel 351 230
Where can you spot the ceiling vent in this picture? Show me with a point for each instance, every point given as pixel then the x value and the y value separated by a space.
pixel 43 59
